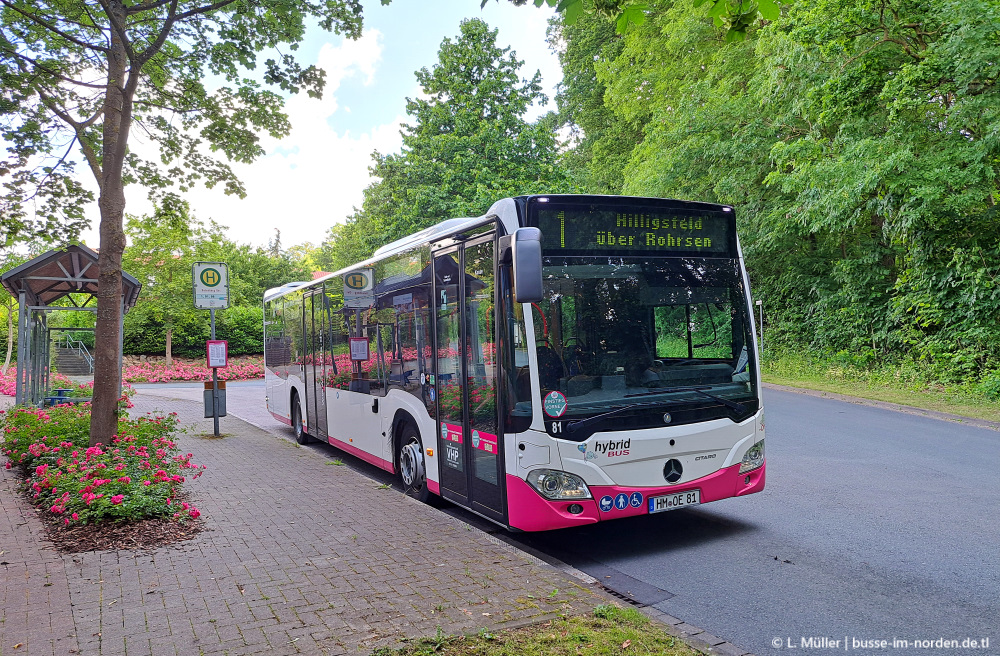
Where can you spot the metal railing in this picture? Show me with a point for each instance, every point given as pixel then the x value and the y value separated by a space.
pixel 68 342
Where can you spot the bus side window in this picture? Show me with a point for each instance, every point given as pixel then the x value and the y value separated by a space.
pixel 410 337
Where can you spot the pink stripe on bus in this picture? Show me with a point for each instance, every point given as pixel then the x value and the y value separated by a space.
pixel 284 420
pixel 364 455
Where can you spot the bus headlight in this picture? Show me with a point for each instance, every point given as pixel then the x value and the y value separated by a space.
pixel 754 458
pixel 558 485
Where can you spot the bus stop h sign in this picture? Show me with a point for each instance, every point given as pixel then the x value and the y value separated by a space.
pixel 211 285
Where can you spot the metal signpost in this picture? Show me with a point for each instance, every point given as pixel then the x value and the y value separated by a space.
pixel 211 291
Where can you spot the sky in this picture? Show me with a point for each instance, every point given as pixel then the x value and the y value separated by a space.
pixel 314 178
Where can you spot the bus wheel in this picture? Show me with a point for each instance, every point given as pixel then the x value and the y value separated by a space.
pixel 411 464
pixel 300 432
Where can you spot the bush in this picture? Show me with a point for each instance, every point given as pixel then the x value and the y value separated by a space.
pixel 137 476
pixel 241 326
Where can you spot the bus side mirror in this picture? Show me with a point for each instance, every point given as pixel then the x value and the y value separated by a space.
pixel 526 253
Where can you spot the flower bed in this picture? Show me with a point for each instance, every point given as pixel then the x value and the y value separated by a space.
pixel 158 372
pixel 138 476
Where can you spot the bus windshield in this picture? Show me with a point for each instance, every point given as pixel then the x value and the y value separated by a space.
pixel 656 333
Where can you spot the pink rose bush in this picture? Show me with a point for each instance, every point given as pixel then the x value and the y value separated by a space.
pixel 135 477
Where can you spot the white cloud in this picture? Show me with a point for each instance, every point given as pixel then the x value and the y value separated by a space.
pixel 310 179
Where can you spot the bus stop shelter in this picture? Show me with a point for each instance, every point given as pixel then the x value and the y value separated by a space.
pixel 70 274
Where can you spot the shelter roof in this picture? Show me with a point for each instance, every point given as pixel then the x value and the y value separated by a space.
pixel 59 273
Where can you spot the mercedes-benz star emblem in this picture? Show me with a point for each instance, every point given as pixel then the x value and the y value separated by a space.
pixel 673 470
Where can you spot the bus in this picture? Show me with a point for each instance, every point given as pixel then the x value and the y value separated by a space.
pixel 561 360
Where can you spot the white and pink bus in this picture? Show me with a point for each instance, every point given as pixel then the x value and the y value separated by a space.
pixel 558 361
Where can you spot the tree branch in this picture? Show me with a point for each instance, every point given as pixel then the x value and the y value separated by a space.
pixel 41 67
pixel 52 28
pixel 168 25
pixel 120 29
pixel 61 160
pixel 146 7
pixel 160 39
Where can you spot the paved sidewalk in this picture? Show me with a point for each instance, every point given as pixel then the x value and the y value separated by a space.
pixel 299 556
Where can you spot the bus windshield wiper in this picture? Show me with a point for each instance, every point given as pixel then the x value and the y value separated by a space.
pixel 580 424
pixel 733 405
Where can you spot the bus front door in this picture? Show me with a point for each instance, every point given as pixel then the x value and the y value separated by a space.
pixel 470 453
pixel 315 361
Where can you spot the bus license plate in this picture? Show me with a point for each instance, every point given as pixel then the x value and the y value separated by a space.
pixel 674 501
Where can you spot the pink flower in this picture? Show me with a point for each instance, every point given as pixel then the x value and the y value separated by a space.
pixel 118 498
pixel 195 514
pixel 75 517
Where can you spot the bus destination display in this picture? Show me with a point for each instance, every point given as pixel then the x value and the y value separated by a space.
pixel 588 231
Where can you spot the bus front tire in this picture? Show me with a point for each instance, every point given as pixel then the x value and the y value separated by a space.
pixel 301 436
pixel 411 464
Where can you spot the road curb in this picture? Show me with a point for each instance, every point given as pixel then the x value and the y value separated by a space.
pixel 692 635
pixel 886 405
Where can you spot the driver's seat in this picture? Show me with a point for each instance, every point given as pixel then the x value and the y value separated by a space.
pixel 550 367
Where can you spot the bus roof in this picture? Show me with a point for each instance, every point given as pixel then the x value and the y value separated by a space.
pixel 433 233
pixel 274 292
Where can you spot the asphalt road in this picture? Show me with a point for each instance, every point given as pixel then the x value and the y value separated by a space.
pixel 874 525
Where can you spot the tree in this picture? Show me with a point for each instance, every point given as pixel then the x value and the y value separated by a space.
pixel 163 248
pixel 77 76
pixel 735 15
pixel 468 146
pixel 254 270
pixel 856 143
pixel 601 139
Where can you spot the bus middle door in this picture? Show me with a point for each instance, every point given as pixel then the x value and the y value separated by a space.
pixel 470 454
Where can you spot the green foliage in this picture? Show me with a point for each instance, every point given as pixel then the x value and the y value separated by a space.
pixel 737 16
pixel 602 140
pixel 163 248
pixel 468 146
pixel 243 327
pixel 858 145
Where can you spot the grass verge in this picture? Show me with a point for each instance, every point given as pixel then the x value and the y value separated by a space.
pixel 893 384
pixel 609 630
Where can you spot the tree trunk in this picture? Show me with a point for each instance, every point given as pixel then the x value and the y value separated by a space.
pixel 107 339
pixel 170 353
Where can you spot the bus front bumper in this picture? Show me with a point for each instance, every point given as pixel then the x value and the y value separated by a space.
pixel 529 511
